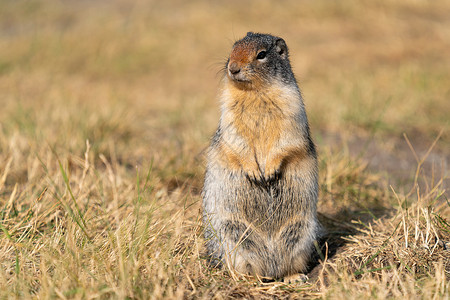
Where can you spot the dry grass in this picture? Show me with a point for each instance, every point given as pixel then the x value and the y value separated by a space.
pixel 106 109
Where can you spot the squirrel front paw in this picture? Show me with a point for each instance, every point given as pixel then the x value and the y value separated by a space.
pixel 271 173
pixel 264 177
pixel 253 175
pixel 272 169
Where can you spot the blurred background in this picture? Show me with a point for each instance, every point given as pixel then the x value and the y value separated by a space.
pixel 140 79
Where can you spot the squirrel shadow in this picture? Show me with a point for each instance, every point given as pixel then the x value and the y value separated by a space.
pixel 335 228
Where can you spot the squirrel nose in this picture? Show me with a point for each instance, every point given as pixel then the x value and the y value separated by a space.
pixel 234 68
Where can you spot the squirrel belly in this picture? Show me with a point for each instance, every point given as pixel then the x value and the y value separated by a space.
pixel 261 181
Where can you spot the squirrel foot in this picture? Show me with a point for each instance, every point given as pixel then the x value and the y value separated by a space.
pixel 296 279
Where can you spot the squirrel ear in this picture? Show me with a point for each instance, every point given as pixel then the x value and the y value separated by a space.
pixel 281 48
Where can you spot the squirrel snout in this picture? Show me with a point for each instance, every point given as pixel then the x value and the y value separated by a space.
pixel 237 73
pixel 234 68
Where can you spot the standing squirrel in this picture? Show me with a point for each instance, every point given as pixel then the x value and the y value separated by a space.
pixel 260 190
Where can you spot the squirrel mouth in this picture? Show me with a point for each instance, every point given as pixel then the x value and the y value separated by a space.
pixel 240 78
pixel 237 73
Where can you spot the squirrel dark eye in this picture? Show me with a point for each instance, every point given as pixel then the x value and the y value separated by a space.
pixel 261 55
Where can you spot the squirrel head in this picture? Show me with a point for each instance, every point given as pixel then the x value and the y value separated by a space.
pixel 258 60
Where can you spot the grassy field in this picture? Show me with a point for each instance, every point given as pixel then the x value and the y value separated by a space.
pixel 106 109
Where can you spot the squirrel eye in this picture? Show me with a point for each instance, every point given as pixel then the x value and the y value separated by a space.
pixel 261 55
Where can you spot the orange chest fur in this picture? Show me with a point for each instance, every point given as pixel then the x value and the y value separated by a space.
pixel 258 118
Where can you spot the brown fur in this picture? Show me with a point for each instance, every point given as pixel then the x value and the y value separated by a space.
pixel 242 54
pixel 260 189
pixel 248 115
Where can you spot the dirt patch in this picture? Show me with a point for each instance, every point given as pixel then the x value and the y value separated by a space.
pixel 397 159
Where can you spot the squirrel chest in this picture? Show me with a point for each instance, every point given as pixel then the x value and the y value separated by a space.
pixel 256 122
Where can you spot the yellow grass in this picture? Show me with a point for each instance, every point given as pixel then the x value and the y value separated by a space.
pixel 106 109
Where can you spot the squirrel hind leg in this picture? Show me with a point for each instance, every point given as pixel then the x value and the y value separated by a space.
pixel 242 249
pixel 247 263
pixel 296 241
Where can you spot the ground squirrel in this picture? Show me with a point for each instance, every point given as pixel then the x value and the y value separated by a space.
pixel 260 190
